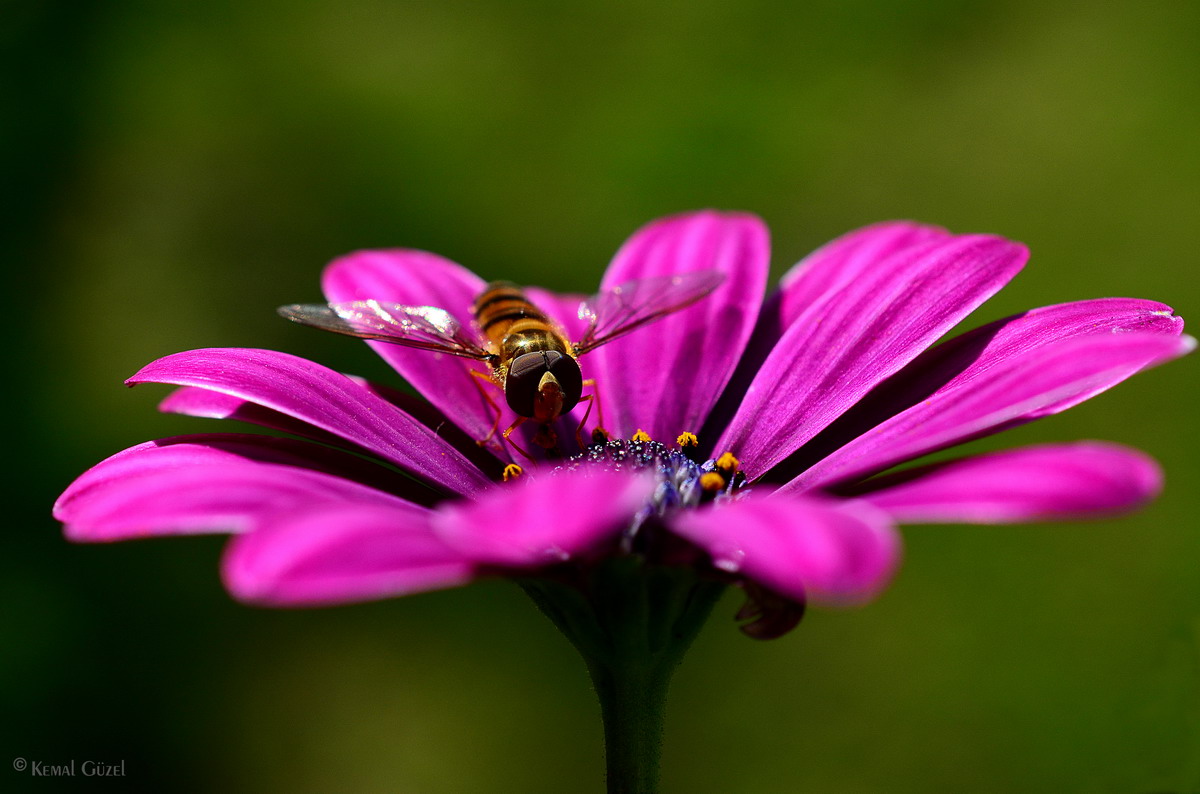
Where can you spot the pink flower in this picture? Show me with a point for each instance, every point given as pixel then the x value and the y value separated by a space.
pixel 834 378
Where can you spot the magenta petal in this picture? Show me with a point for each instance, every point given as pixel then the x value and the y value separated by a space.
pixel 855 337
pixel 197 484
pixel 665 378
pixel 339 553
pixel 1014 379
pixel 544 519
pixel 419 278
pixel 836 264
pixel 1042 483
pixel 209 404
pixel 796 546
pixel 956 362
pixel 828 269
pixel 196 401
pixel 325 399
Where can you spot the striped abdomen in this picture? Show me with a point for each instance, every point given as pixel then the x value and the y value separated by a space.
pixel 513 324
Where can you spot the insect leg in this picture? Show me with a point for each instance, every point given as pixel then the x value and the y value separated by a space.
pixel 508 432
pixel 483 442
pixel 579 428
pixel 599 435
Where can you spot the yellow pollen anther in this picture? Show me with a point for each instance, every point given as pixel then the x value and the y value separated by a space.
pixel 687 440
pixel 641 435
pixel 712 482
pixel 512 471
pixel 728 463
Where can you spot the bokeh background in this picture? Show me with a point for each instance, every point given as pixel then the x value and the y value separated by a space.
pixel 173 171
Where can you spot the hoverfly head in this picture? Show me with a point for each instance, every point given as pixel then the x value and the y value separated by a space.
pixel 543 385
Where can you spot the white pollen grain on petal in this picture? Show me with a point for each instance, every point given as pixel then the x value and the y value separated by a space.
pixel 729 560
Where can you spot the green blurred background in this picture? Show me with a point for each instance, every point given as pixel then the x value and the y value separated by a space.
pixel 173 171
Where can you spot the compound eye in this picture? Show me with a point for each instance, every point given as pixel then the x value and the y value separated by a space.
pixel 521 384
pixel 566 371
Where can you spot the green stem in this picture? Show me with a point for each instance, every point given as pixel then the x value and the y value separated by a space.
pixel 632 622
pixel 632 705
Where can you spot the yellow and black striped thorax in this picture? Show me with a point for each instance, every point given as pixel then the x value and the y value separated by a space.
pixel 510 321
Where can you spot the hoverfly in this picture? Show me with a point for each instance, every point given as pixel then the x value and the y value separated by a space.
pixel 529 355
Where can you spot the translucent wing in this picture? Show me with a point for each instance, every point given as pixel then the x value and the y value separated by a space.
pixel 631 305
pixel 423 327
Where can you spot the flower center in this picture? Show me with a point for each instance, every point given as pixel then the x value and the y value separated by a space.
pixel 684 481
pixel 681 480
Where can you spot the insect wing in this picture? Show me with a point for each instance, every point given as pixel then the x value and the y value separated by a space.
pixel 631 305
pixel 423 327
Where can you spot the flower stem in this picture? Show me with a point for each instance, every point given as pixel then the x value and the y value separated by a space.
pixel 632 705
pixel 632 622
